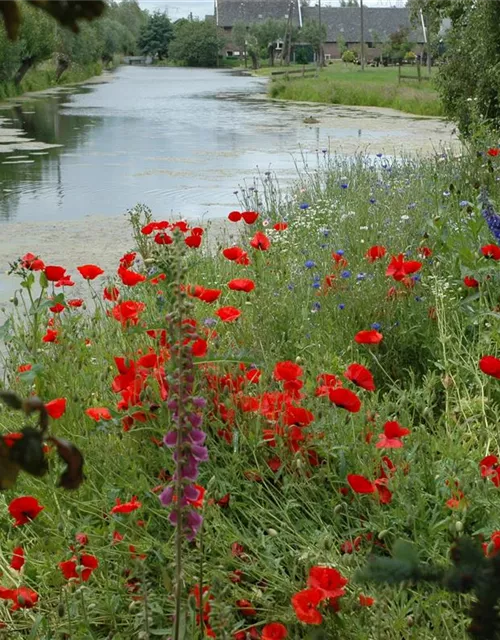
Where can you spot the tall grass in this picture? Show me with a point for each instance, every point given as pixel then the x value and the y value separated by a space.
pixel 284 510
pixel 404 97
pixel 44 77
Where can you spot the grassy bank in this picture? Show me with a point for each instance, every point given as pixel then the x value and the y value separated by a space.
pixel 375 87
pixel 271 342
pixel 44 76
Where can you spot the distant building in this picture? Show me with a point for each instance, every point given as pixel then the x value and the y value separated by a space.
pixel 343 27
pixel 342 23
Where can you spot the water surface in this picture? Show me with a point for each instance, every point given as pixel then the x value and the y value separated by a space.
pixel 181 141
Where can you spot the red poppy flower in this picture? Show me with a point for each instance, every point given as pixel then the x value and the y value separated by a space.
pixel 126 507
pixel 111 293
pixel 82 539
pixel 56 408
pixel 86 564
pixel 375 253
pixel 228 314
pixel 236 254
pixel 130 278
pixel 17 561
pixel 339 259
pixel 98 413
pixel 53 273
pixel 345 399
pixel 368 337
pixel 193 241
pixel 24 509
pixel 23 598
pixel 75 303
pixel 491 251
pixel 287 370
pixel 329 580
pixel 50 336
pixel 90 271
pixel 253 375
pixel 490 469
pixel 246 608
pixel 490 366
pixel 32 262
pixel 199 348
pixel 305 603
pixel 68 568
pixel 399 269
pixel 65 282
pixel 360 376
pixel 57 308
pixel 471 282
pixel 425 252
pixel 208 295
pixel 241 284
pixel 280 226
pixel 360 484
pixel 234 216
pixel 127 312
pixel 390 439
pixel 493 152
pixel 366 601
pixel 128 259
pixel 260 241
pixel 274 631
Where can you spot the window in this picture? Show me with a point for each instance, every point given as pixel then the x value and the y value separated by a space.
pixel 369 45
pixel 229 54
pixel 279 45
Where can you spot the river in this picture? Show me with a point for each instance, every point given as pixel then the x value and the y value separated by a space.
pixel 182 141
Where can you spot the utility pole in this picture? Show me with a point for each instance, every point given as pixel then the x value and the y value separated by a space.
pixel 320 63
pixel 426 42
pixel 362 21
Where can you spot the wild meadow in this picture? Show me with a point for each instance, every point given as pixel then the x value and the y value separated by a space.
pixel 264 417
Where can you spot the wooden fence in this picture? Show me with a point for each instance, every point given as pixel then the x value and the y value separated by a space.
pixel 295 73
pixel 419 76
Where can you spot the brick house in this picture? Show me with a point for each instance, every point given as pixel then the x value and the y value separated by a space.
pixel 342 23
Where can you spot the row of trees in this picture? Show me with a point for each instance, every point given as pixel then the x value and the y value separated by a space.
pixel 40 39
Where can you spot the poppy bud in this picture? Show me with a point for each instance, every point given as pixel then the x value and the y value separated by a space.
pixel 410 621
pixel 337 509
pixel 459 527
pixel 60 610
pixel 299 360
pixel 383 534
pixel 272 532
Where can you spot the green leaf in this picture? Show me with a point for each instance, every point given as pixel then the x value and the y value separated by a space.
pixel 44 283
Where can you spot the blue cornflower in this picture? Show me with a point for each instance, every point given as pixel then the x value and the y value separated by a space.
pixel 325 232
pixel 304 205
pixel 372 201
pixel 418 299
pixel 464 203
pixel 310 264
pixel 291 287
pixel 316 285
pixel 379 155
pixel 360 276
pixel 412 205
pixel 316 306
pixel 376 326
pixel 345 274
pixel 341 306
pixel 446 193
pixel 210 322
pixel 340 252
pixel 490 215
pixel 344 185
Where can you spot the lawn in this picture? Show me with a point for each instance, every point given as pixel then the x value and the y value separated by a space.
pixel 340 83
pixel 330 382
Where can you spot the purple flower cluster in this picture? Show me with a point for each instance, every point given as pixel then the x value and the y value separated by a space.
pixel 187 441
pixel 490 215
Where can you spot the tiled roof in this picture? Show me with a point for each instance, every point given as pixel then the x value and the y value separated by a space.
pixel 251 11
pixel 378 23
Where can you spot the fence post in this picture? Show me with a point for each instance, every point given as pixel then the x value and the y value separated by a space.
pixel 419 73
pixel 399 73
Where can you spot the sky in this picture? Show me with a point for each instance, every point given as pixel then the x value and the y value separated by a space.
pixel 200 8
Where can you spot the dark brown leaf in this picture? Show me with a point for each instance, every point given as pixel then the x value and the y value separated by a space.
pixel 9 397
pixel 8 470
pixel 27 453
pixel 73 477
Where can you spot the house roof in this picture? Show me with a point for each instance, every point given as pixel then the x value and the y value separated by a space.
pixel 253 11
pixel 379 23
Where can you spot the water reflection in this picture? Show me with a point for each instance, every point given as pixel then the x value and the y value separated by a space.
pixel 179 140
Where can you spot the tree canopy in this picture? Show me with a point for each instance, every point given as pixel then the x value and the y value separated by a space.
pixel 156 35
pixel 196 43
